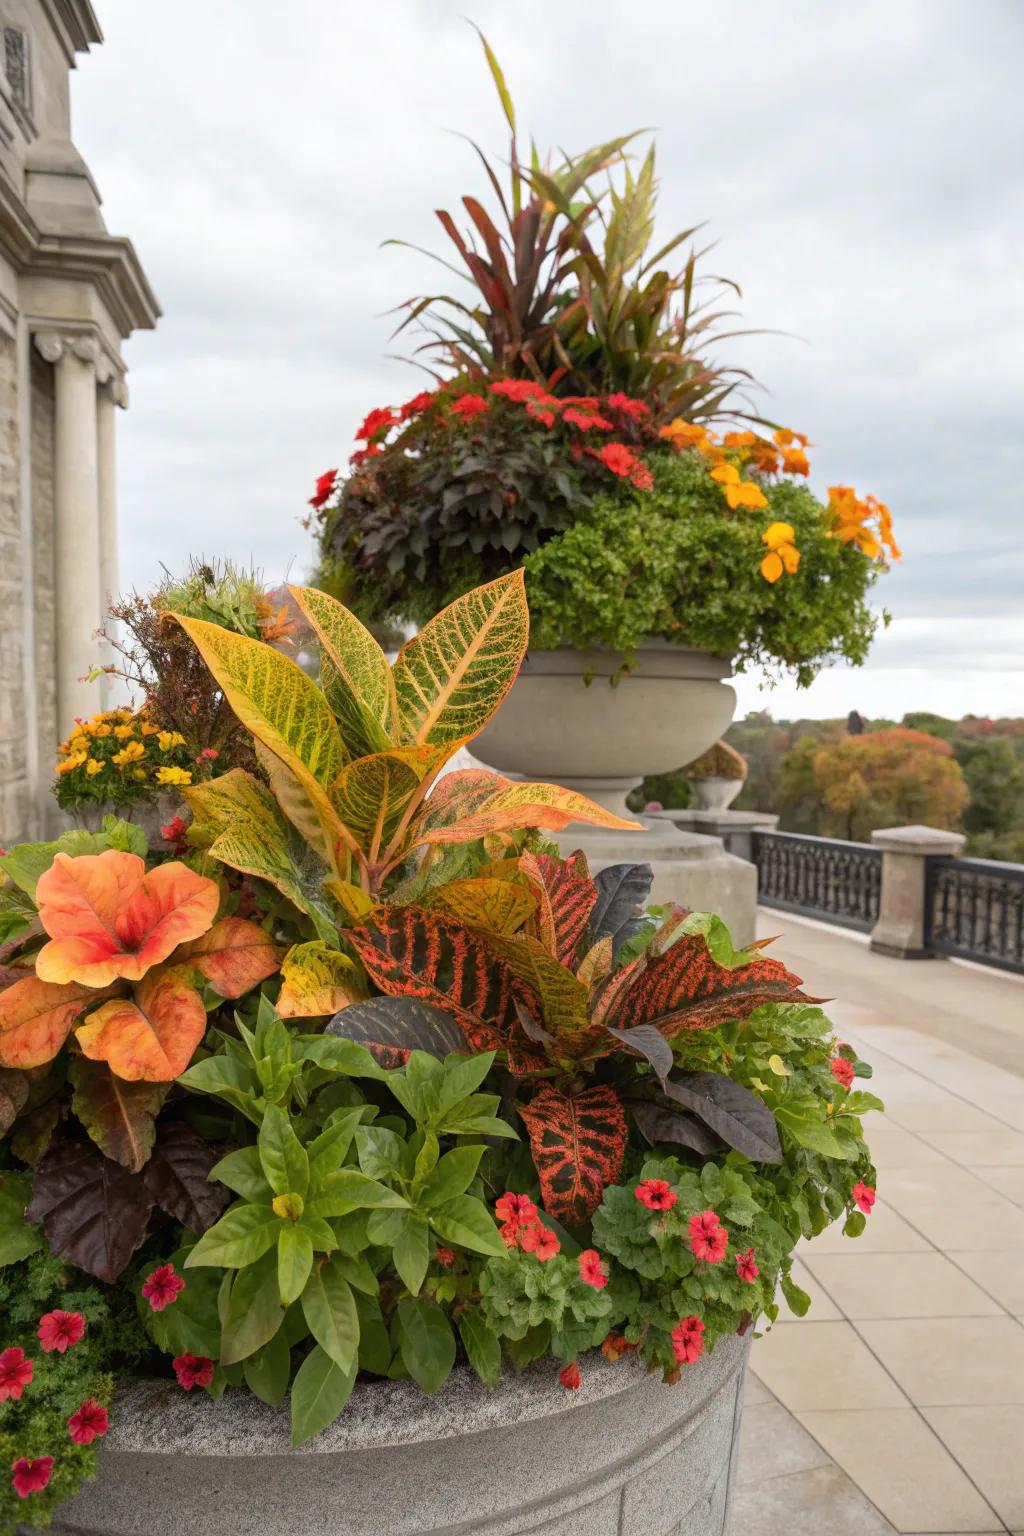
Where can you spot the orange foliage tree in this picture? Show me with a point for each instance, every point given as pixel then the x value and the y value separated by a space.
pixel 888 778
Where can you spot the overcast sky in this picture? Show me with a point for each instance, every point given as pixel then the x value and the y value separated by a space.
pixel 859 164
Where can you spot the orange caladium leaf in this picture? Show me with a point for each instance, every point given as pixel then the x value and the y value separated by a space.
pixel 578 1143
pixel 108 918
pixel 235 955
pixel 317 981
pixel 150 1036
pixel 36 1018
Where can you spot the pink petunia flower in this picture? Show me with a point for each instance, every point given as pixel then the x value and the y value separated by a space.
pixel 863 1197
pixel 88 1421
pixel 15 1373
pixel 193 1371
pixel 842 1071
pixel 656 1194
pixel 541 1242
pixel 708 1238
pixel 746 1266
pixel 592 1270
pixel 163 1287
pixel 60 1330
pixel 31 1475
pixel 688 1340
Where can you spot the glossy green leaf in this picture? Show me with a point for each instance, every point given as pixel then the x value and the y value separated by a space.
pixel 294 1262
pixel 426 1342
pixel 330 1310
pixel 283 1158
pixel 483 1351
pixel 242 1172
pixel 411 1251
pixel 253 1312
pixel 466 1222
pixel 243 1235
pixel 453 1175
pixel 319 1393
pixel 267 1372
pixel 348 1190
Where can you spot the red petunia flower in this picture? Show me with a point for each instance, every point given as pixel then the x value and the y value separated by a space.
pixel 592 1271
pixel 656 1195
pixel 688 1340
pixel 469 405
pixel 863 1197
pixel 546 418
pixel 615 1346
pixel 708 1238
pixel 509 1233
pixel 746 1266
pixel 570 1377
pixel 520 390
pixel 362 454
pixel 622 461
pixel 193 1371
pixel 416 405
pixel 377 422
pixel 15 1373
pixel 446 1257
pixel 31 1476
pixel 587 421
pixel 628 407
pixel 88 1421
pixel 163 1287
pixel 60 1330
pixel 842 1071
pixel 541 1242
pixel 512 1207
pixel 174 831
pixel 324 488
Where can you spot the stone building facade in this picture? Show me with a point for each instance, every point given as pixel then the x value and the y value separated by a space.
pixel 70 293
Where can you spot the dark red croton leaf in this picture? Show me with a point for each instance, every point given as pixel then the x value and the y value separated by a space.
pixel 566 896
pixel 685 988
pixel 578 1142
pixel 14 1087
pixel 398 1025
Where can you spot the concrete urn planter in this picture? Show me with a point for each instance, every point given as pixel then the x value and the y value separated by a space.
pixel 623 1456
pixel 574 718
pixel 150 813
pixel 715 794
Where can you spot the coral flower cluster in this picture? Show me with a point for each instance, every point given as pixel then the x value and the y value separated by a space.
pixel 57 1332
pixel 521 1227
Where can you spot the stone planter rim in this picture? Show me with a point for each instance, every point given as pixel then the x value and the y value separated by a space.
pixel 157 1417
pixel 652 658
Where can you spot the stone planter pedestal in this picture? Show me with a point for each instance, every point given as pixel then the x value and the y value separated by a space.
pixel 623 1456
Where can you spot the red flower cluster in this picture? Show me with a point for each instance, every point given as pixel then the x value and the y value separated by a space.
pixel 570 1377
pixel 60 1330
pixel 864 1197
pixel 842 1071
pixel 88 1421
pixel 324 488
pixel 15 1373
pixel 469 405
pixel 446 1257
pixel 615 1346
pixel 193 1371
pixel 174 832
pixel 592 1270
pixel 521 1227
pixel 377 424
pixel 30 1475
pixel 163 1287
pixel 656 1195
pixel 746 1266
pixel 622 461
pixel 708 1238
pixel 688 1340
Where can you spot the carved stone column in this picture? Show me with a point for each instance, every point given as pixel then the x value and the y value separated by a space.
pixel 75 356
pixel 113 392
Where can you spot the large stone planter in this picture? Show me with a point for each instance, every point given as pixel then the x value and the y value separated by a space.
pixel 715 794
pixel 603 735
pixel 623 1456
pixel 150 812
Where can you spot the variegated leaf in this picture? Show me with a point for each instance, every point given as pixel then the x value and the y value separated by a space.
pixel 684 989
pixel 496 906
pixel 578 1143
pixel 354 672
pixel 372 794
pixel 317 982
pixel 566 896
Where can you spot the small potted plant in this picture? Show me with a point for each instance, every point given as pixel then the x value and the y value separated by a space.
pixel 717 776
pixel 366 1125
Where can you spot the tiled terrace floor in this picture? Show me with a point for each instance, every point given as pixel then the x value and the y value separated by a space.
pixel 898 1403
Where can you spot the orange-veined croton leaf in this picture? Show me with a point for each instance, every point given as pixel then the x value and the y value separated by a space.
pixel 151 1035
pixel 487 902
pixel 235 955
pixel 481 803
pixel 108 918
pixel 36 1018
pixel 578 1143
pixel 566 897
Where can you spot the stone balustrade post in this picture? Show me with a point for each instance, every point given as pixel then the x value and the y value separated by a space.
pixel 901 929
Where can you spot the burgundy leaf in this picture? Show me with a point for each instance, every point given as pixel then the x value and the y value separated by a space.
pixel 657 1122
pixel 735 1114
pixel 177 1177
pixel 623 892
pixel 120 1116
pixel 93 1212
pixel 402 1023
pixel 13 1096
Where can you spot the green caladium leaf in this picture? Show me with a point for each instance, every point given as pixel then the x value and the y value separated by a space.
pixel 242 1172
pixel 426 1342
pixel 452 1176
pixel 483 1350
pixel 319 1393
pixel 252 1313
pixel 330 1310
pixel 283 1157
pixel 466 1222
pixel 267 1372
pixel 294 1262
pixel 243 1235
pixel 411 1251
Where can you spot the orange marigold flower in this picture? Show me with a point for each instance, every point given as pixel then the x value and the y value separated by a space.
pixel 74 761
pixel 782 555
pixel 129 754
pixel 785 438
pixel 685 434
pixel 795 461
pixel 738 492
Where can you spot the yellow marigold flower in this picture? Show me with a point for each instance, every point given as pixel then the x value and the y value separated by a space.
pixel 122 732
pixel 173 776
pixel 738 493
pixel 74 761
pixel 168 739
pixel 94 766
pixel 129 754
pixel 101 730
pixel 139 774
pixel 782 555
pixel 685 434
pixel 795 461
pixel 785 438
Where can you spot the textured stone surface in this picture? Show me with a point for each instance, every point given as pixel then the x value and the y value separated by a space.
pixel 623 1456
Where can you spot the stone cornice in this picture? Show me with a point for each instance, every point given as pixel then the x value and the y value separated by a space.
pixel 75 25
pixel 109 263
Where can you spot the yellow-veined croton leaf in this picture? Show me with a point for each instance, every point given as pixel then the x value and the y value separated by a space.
pixel 352 899
pixel 317 981
pixel 354 672
pixel 498 906
pixel 36 1018
pixel 150 1036
pixel 372 794
pixel 240 821
pixel 452 676
pixel 235 956
pixel 461 812
pixel 109 918
pixel 281 706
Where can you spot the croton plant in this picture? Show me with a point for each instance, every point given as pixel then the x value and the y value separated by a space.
pixel 363 1077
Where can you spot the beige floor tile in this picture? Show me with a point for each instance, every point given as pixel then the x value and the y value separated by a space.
pixel 989 1444
pixel 807 1367
pixel 887 1285
pixel 893 1147
pixel 944 1113
pixel 755 1392
pixel 994 1222
pixel 773 1443
pixel 955 1187
pixel 1008 1181
pixel 979 1149
pixel 823 1310
pixel 885 1233
pixel 1000 1271
pixel 903 1467
pixel 944 1362
pixel 822 1499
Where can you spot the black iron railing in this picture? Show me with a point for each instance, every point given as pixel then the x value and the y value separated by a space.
pixel 974 909
pixel 821 877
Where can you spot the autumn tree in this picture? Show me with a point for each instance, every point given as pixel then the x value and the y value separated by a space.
pixel 889 778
